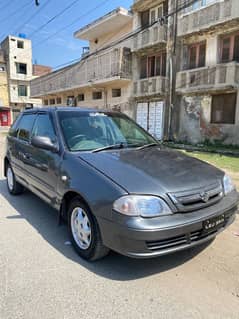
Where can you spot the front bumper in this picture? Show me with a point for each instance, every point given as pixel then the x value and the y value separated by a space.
pixel 144 238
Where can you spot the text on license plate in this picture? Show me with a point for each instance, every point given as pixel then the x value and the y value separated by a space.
pixel 213 223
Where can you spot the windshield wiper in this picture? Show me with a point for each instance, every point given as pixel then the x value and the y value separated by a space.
pixel 147 145
pixel 109 147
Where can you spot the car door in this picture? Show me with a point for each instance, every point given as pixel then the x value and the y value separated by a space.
pixel 44 164
pixel 19 143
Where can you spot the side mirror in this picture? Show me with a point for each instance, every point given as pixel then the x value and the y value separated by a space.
pixel 45 143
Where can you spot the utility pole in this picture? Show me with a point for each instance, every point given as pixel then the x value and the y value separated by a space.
pixel 171 67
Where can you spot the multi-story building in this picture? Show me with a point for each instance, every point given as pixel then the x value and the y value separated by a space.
pixel 150 83
pixel 207 83
pixel 102 78
pixel 5 116
pixel 18 56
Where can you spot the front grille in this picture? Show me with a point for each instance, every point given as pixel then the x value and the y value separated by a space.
pixel 186 239
pixel 189 201
pixel 177 241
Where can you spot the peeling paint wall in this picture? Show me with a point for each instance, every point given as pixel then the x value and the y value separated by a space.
pixel 196 126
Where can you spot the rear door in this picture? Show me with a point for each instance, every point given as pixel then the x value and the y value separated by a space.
pixel 20 141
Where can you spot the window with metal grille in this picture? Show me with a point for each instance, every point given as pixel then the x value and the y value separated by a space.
pixel 45 102
pixel 223 108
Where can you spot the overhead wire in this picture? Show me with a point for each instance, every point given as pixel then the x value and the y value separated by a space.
pixel 54 17
pixel 73 22
pixel 19 9
pixel 128 36
pixel 42 7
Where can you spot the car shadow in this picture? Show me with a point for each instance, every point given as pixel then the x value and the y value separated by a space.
pixel 114 267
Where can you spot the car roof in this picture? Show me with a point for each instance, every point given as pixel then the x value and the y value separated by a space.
pixel 65 109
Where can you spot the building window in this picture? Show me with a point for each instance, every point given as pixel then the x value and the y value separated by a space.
pixel 22 90
pixel 52 101
pixel 116 92
pixel 197 4
pixel 145 19
pixel 156 13
pixel 153 66
pixel 197 55
pixel 45 102
pixel 223 108
pixel 2 69
pixel 81 97
pixel 71 101
pixel 97 95
pixel 229 48
pixel 20 44
pixel 21 68
pixel 58 100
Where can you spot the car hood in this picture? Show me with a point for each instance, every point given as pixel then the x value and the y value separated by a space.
pixel 153 170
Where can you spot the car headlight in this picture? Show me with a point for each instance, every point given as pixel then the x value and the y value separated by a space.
pixel 139 205
pixel 228 184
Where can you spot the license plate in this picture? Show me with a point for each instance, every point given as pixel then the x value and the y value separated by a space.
pixel 214 223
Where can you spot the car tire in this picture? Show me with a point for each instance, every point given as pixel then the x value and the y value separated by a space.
pixel 84 232
pixel 13 186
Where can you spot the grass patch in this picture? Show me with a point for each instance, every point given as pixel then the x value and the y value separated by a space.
pixel 221 161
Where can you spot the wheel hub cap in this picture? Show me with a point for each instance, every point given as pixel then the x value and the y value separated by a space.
pixel 10 178
pixel 81 228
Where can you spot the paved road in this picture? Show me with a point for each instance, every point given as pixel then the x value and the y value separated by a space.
pixel 41 277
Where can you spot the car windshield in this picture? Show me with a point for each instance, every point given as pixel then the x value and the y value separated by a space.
pixel 90 131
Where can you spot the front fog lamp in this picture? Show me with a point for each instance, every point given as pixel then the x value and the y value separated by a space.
pixel 228 184
pixel 145 206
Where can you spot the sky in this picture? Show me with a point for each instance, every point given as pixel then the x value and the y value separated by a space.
pixel 24 17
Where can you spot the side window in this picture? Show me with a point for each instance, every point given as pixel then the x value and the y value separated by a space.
pixel 44 127
pixel 25 126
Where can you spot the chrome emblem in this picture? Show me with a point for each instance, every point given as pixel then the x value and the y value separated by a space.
pixel 204 197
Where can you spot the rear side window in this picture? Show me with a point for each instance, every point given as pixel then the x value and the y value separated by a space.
pixel 44 127
pixel 25 126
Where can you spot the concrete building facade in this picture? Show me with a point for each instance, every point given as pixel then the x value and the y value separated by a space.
pixel 18 57
pixel 177 74
pixel 5 114
pixel 102 78
pixel 4 98
pixel 150 81
pixel 207 83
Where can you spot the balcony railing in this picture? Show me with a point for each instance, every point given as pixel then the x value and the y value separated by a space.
pixel 208 16
pixel 112 64
pixel 150 86
pixel 151 36
pixel 216 77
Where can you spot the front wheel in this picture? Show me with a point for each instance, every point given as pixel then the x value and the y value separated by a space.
pixel 13 186
pixel 84 232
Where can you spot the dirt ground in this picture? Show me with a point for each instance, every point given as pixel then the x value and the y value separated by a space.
pixel 42 277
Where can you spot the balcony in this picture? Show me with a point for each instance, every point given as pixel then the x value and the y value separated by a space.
pixel 219 77
pixel 102 68
pixel 152 36
pixel 208 17
pixel 150 86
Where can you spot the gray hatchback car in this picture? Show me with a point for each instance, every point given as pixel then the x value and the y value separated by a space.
pixel 115 185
